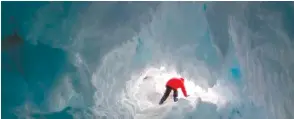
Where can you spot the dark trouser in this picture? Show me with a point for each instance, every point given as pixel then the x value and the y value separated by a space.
pixel 167 92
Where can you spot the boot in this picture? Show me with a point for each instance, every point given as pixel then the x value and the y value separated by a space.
pixel 175 99
pixel 161 102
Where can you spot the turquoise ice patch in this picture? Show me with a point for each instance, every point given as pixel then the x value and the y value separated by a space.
pixel 236 73
pixel 204 7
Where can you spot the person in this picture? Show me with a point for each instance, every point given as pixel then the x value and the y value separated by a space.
pixel 174 84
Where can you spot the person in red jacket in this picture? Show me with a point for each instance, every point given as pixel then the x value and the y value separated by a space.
pixel 174 84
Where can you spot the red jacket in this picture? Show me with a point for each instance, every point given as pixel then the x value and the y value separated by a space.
pixel 176 83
